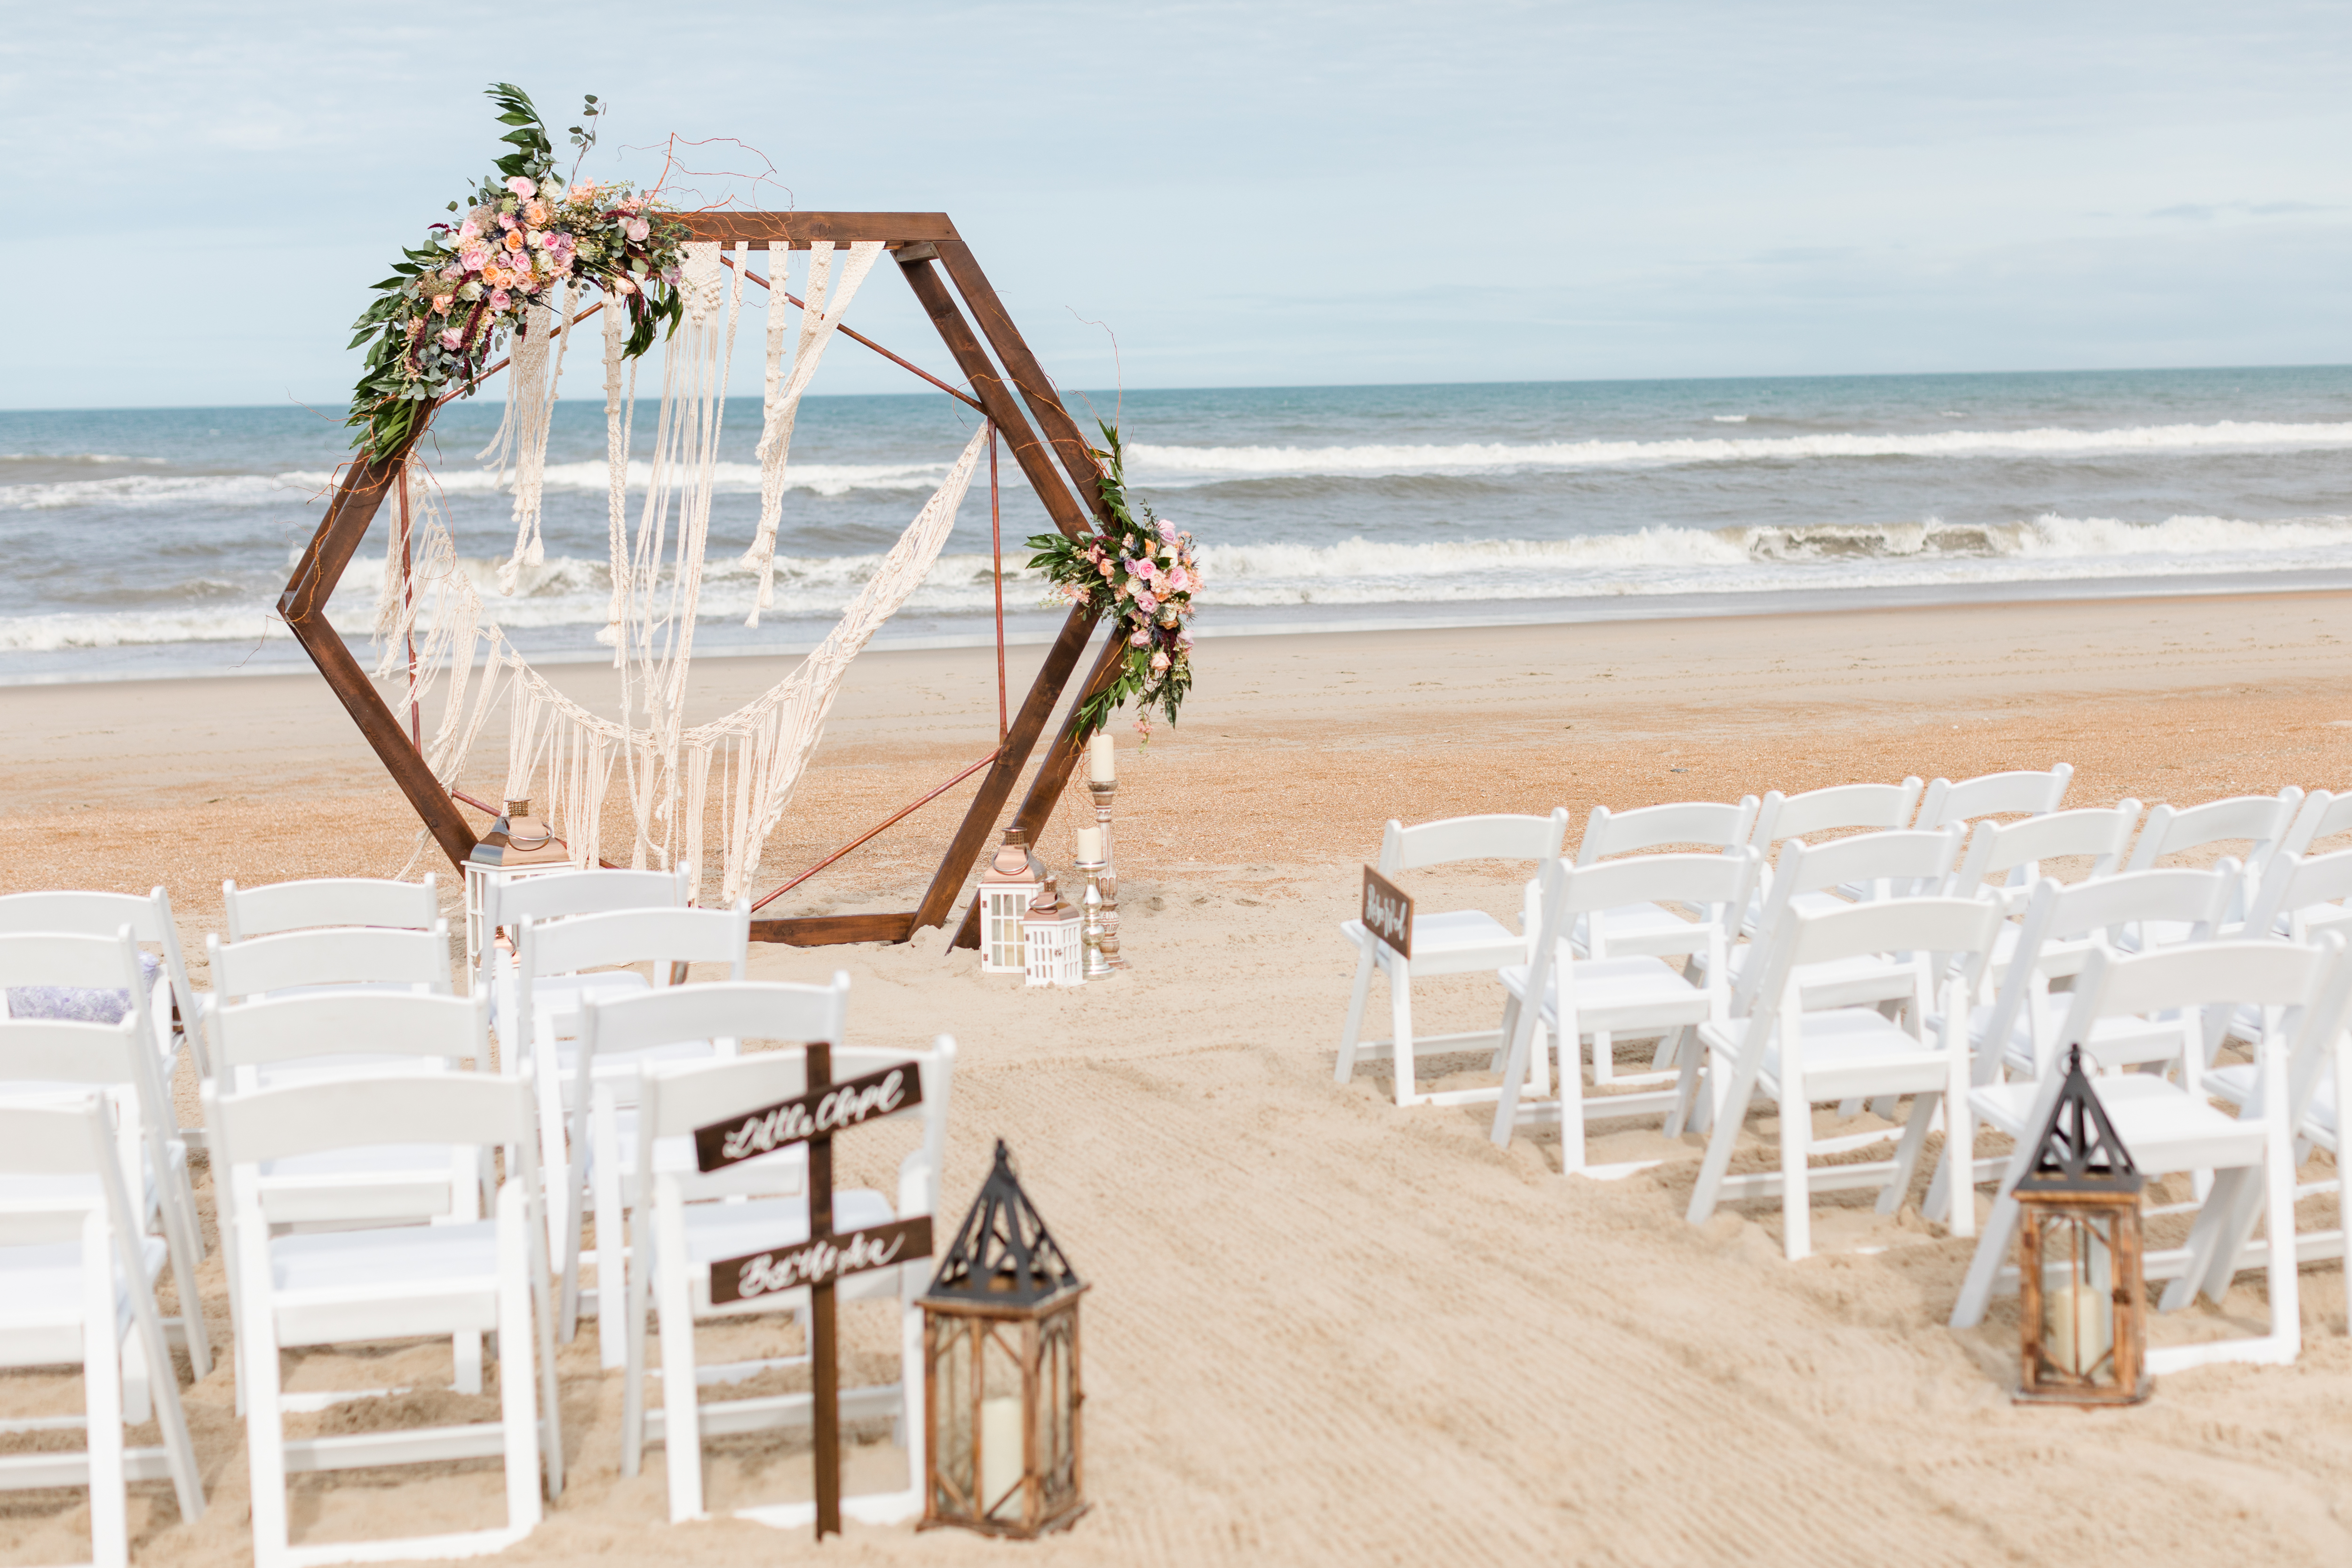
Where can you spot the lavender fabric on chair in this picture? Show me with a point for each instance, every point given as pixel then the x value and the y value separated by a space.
pixel 80 1005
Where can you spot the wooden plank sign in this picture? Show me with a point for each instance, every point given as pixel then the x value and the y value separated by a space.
pixel 820 1113
pixel 1388 912
pixel 820 1260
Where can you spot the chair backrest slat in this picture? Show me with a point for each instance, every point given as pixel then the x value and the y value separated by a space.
pixel 318 901
pixel 346 956
pixel 109 963
pixel 1497 837
pixel 2260 820
pixel 631 936
pixel 1995 849
pixel 1835 809
pixel 1608 833
pixel 2020 794
pixel 290 1029
pixel 480 1110
pixel 2322 815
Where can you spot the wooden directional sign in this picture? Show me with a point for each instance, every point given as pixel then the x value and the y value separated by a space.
pixel 813 1119
pixel 820 1260
pixel 1388 912
pixel 825 1110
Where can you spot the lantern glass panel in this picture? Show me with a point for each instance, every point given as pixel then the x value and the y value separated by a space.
pixel 1004 1455
pixel 2078 1295
pixel 1057 1449
pixel 956 1406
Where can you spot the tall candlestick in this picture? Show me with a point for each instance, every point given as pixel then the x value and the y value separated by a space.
pixel 1102 790
pixel 1098 966
pixel 1102 759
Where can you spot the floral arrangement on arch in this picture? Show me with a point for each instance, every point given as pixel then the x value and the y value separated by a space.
pixel 1138 574
pixel 452 302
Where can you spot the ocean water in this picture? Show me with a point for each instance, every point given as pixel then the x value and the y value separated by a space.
pixel 154 542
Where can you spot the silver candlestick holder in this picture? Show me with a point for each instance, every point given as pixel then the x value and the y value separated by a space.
pixel 1103 791
pixel 1090 932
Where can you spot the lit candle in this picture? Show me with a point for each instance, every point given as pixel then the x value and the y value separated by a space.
pixel 1089 846
pixel 1102 759
pixel 1001 1458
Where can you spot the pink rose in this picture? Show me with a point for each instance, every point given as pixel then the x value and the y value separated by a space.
pixel 499 299
pixel 1159 661
pixel 451 338
pixel 470 230
pixel 506 220
pixel 1146 602
pixel 638 228
pixel 1178 581
pixel 1140 639
pixel 523 187
pixel 623 286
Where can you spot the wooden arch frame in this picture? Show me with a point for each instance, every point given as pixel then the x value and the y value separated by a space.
pixel 930 257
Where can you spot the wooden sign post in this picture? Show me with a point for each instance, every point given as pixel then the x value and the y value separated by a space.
pixel 813 1117
pixel 1388 912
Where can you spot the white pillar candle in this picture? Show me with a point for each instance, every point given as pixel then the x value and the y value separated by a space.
pixel 1102 759
pixel 1000 1450
pixel 1089 846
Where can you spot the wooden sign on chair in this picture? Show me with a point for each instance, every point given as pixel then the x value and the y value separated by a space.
pixel 1388 912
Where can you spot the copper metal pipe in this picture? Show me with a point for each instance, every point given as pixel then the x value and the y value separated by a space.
pixel 856 336
pixel 891 821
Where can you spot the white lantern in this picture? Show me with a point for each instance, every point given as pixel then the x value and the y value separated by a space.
pixel 1053 934
pixel 1006 887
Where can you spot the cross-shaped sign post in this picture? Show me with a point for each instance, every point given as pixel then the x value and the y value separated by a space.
pixel 813 1117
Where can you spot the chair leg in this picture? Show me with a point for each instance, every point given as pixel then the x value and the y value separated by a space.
pixel 517 1377
pixel 1519 1023
pixel 1688 1052
pixel 1604 1058
pixel 1796 1193
pixel 1400 1019
pixel 1906 1153
pixel 681 1423
pixel 103 1353
pixel 1729 1115
pixel 1572 1097
pixel 138 1391
pixel 1993 1249
pixel 1354 1028
pixel 632 1391
pixel 604 1141
pixel 265 1423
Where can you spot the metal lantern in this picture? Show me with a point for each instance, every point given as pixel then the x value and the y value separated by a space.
pixel 1007 888
pixel 2084 1313
pixel 1052 936
pixel 1000 1388
pixel 518 838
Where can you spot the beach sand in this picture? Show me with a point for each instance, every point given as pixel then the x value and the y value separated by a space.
pixel 1322 1329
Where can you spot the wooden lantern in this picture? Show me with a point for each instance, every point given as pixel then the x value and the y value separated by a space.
pixel 1001 1388
pixel 2082 1307
pixel 1007 889
pixel 1052 936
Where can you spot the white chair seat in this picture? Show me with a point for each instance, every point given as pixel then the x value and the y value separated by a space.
pixel 2154 1120
pixel 1842 1041
pixel 1611 990
pixel 43 1292
pixel 2235 1082
pixel 2116 1042
pixel 425 1280
pixel 1457 939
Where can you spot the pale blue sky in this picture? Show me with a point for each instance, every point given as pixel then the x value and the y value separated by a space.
pixel 1249 194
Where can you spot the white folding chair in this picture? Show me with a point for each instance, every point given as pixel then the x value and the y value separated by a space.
pixel 1839 809
pixel 2295 892
pixel 2167 1127
pixel 2021 794
pixel 311 1037
pixel 2016 1034
pixel 391 1282
pixel 563 952
pixel 150 922
pixel 1457 941
pixel 47 1057
pixel 1608 835
pixel 2013 852
pixel 2322 815
pixel 351 958
pixel 77 1288
pixel 554 895
pixel 2262 820
pixel 1897 864
pixel 1794 1054
pixel 320 902
pixel 1604 995
pixel 679 1231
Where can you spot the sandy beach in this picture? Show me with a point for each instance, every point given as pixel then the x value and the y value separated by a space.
pixel 1324 1329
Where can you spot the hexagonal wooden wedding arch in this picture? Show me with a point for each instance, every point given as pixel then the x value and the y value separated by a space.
pixel 930 257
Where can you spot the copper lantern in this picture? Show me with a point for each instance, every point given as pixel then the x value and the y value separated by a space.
pixel 1000 1388
pixel 1010 880
pixel 2081 1308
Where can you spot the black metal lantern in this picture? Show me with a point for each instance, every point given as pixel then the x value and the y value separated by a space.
pixel 2081 1308
pixel 1001 1388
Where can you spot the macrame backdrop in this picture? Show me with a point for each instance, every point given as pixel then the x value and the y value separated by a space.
pixel 566 759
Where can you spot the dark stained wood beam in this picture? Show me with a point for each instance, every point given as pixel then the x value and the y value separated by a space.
pixel 1028 376
pixel 794 231
pixel 1053 775
pixel 303 606
pixel 979 823
pixel 980 373
pixel 826 930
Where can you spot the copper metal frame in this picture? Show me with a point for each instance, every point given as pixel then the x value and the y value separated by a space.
pixel 930 257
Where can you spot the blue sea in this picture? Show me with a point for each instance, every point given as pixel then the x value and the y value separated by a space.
pixel 154 542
